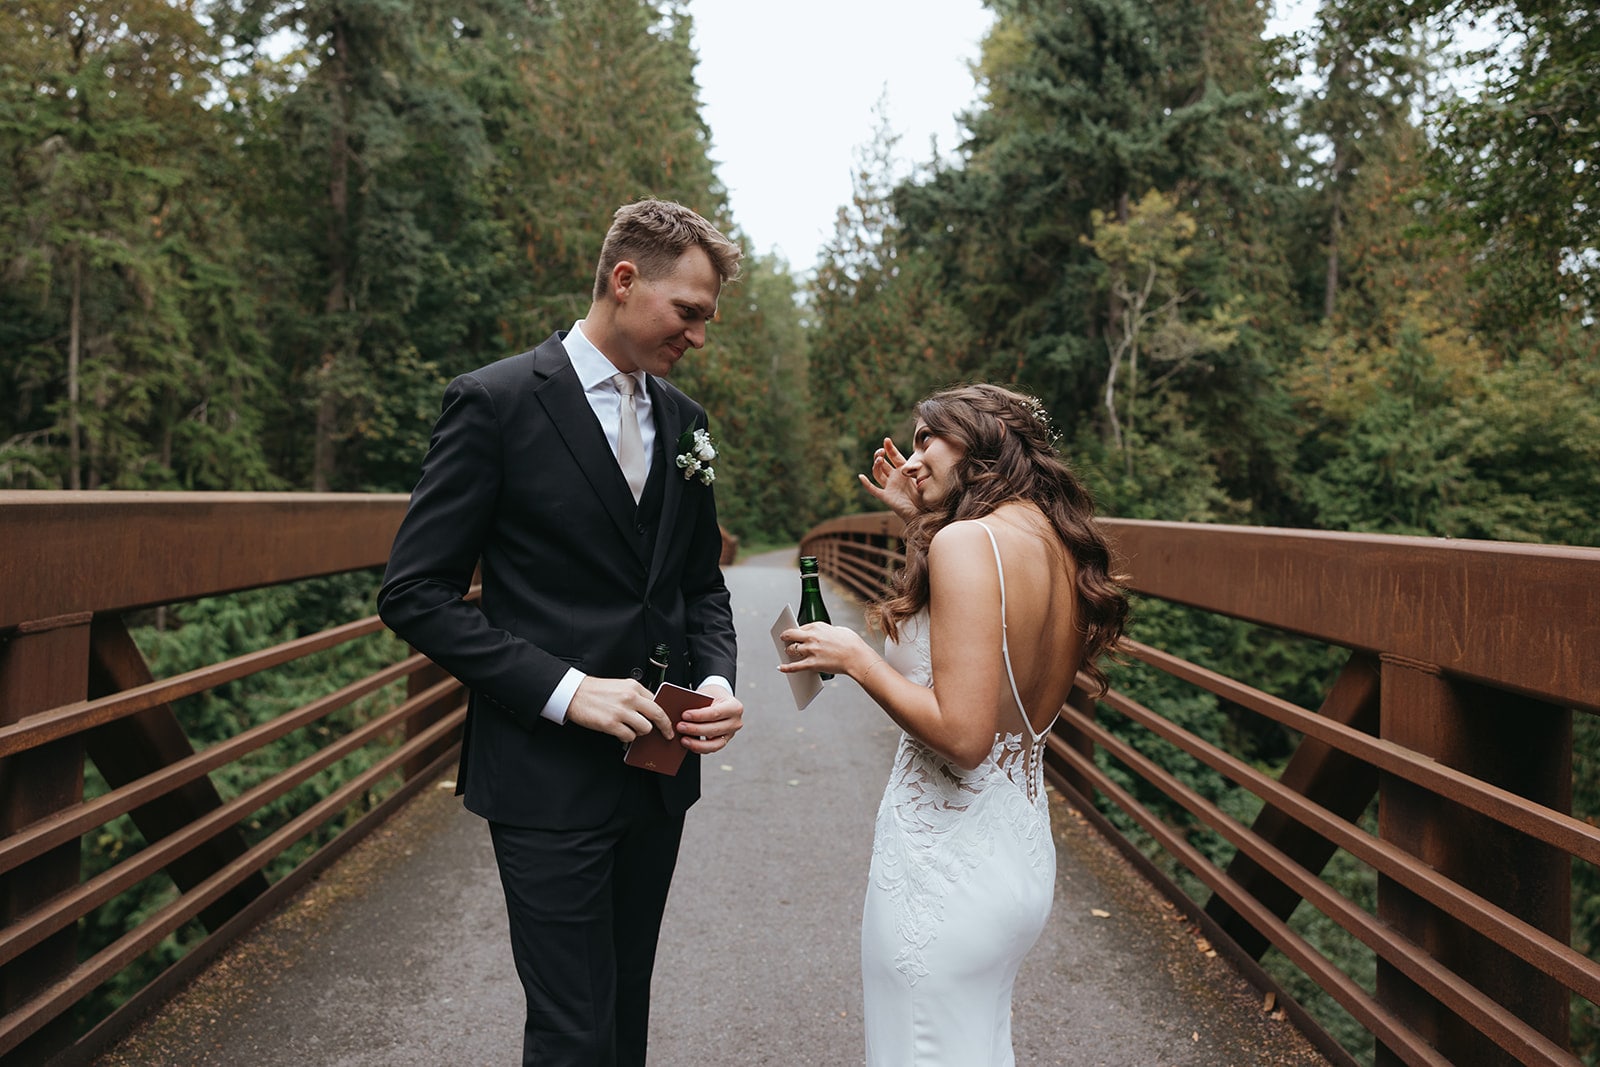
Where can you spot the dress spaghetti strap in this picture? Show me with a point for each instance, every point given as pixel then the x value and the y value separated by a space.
pixel 1005 645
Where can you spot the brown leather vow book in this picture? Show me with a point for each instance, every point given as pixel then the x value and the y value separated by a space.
pixel 654 751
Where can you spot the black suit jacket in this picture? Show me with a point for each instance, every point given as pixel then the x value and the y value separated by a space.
pixel 519 476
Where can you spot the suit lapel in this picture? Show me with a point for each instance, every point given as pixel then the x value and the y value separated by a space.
pixel 669 424
pixel 557 387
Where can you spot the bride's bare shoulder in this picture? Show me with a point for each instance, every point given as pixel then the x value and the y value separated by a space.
pixel 958 536
pixel 959 552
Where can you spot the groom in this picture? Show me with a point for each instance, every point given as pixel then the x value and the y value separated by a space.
pixel 556 470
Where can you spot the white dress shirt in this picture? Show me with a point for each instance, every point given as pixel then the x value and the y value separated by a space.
pixel 595 372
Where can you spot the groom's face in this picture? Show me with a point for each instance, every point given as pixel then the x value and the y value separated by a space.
pixel 659 319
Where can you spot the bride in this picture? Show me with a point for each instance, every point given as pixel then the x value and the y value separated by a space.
pixel 1005 596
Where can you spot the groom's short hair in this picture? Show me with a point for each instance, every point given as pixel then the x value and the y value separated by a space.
pixel 652 234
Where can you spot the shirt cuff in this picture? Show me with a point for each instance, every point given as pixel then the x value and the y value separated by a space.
pixel 716 679
pixel 555 709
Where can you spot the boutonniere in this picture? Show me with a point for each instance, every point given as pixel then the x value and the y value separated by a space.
pixel 695 453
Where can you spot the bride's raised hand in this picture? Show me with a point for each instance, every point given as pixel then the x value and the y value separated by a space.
pixel 889 482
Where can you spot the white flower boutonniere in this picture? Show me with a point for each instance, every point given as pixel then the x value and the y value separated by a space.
pixel 695 453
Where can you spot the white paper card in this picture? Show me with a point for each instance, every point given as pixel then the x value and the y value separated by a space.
pixel 805 685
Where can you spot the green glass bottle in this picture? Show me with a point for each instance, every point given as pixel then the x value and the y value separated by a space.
pixel 812 609
pixel 657 674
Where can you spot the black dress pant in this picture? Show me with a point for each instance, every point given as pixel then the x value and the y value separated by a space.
pixel 585 909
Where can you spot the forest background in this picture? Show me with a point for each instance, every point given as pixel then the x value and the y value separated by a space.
pixel 1298 281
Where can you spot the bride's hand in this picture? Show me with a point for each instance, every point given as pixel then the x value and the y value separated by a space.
pixel 889 484
pixel 817 646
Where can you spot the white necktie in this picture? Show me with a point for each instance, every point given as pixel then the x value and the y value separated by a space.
pixel 630 446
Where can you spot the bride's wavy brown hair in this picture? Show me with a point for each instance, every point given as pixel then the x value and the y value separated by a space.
pixel 1010 456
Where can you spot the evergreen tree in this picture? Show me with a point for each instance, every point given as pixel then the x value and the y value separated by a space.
pixel 132 359
pixel 1516 161
pixel 605 111
pixel 1086 107
pixel 754 380
pixel 375 242
pixel 884 333
pixel 1360 118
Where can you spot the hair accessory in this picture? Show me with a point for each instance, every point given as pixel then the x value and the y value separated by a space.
pixel 1035 407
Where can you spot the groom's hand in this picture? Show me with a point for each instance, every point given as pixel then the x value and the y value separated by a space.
pixel 620 707
pixel 709 729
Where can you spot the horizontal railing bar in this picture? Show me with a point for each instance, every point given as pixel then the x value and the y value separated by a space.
pixel 1404 595
pixel 40 837
pixel 873 570
pixel 860 580
pixel 866 551
pixel 29 929
pixel 1515 935
pixel 46 726
pixel 114 551
pixel 879 523
pixel 1502 1027
pixel 1554 828
pixel 1439 601
pixel 62 994
pixel 1388 1028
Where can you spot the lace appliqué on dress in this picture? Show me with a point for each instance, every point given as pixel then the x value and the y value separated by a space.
pixel 936 823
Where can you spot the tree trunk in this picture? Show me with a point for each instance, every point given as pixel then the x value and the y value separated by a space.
pixel 1330 291
pixel 1335 234
pixel 93 442
pixel 74 354
pixel 1111 397
pixel 1115 310
pixel 338 268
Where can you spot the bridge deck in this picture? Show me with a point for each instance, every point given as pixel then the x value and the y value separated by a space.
pixel 399 957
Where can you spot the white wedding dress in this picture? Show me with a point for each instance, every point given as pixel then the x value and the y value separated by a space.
pixel 963 870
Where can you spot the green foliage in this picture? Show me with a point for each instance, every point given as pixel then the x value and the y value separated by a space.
pixel 754 379
pixel 1424 436
pixel 1085 108
pixel 884 334
pixel 1145 256
pixel 1284 666
pixel 1517 162
pixel 132 359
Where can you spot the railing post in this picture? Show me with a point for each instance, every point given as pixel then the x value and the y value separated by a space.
pixel 43 664
pixel 1521 745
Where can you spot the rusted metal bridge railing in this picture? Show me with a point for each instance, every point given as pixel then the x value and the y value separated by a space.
pixel 1454 710
pixel 1466 662
pixel 74 686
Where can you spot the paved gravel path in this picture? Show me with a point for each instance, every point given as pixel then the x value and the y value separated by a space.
pixel 398 956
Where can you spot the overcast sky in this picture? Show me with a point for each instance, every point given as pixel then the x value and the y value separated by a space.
pixel 789 90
